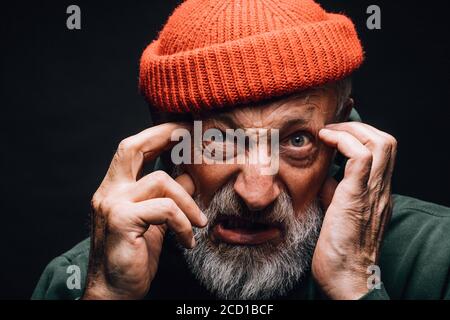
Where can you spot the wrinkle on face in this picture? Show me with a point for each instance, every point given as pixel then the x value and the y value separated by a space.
pixel 302 106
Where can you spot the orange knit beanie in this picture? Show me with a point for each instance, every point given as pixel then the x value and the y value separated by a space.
pixel 218 53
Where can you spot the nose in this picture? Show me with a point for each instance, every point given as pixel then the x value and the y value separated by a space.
pixel 258 191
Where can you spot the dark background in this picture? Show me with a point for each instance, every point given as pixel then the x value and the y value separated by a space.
pixel 68 98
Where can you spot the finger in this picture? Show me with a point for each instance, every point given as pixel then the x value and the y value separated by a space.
pixel 327 192
pixel 159 184
pixel 187 183
pixel 368 135
pixel 357 169
pixel 380 144
pixel 160 211
pixel 360 130
pixel 146 145
pixel 368 126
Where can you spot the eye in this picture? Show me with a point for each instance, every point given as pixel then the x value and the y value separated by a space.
pixel 299 148
pixel 298 140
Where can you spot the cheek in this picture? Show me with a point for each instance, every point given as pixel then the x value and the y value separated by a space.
pixel 209 178
pixel 304 184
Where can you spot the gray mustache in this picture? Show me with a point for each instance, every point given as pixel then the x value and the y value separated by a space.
pixel 226 203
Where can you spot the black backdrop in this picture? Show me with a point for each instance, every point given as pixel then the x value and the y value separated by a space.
pixel 69 97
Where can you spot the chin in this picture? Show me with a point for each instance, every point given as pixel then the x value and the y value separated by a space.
pixel 242 259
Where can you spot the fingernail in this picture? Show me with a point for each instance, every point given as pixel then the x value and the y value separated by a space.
pixel 192 242
pixel 325 130
pixel 203 218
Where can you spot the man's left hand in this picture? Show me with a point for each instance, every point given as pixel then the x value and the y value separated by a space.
pixel 357 209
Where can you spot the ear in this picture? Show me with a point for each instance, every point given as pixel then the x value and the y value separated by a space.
pixel 347 109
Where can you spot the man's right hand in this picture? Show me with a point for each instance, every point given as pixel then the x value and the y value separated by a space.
pixel 131 215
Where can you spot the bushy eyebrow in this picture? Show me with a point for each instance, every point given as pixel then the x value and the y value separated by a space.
pixel 298 122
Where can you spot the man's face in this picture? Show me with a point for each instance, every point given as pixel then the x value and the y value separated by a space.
pixel 262 227
pixel 303 159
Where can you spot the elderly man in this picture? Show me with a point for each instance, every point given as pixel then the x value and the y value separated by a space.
pixel 322 225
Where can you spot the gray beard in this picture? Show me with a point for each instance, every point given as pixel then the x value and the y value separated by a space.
pixel 255 272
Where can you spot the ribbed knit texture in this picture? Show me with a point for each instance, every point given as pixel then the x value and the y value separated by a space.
pixel 218 53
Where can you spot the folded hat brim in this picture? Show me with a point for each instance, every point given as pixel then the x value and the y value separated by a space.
pixel 251 69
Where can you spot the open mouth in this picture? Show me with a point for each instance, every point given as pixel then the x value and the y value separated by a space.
pixel 240 231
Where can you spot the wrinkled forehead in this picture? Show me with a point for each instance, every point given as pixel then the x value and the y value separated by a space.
pixel 311 105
